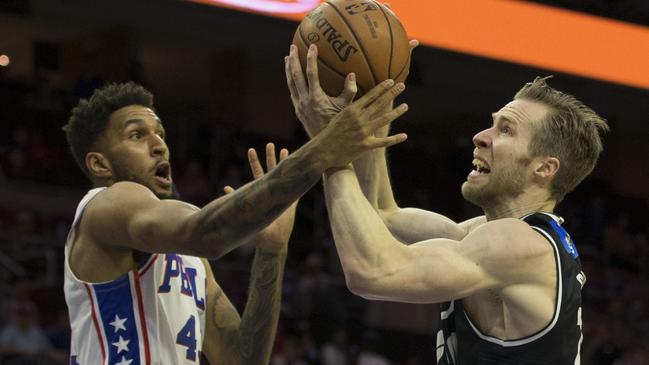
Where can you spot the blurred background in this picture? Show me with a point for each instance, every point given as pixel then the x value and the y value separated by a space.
pixel 218 80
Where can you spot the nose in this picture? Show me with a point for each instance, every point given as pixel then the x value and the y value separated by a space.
pixel 158 146
pixel 482 139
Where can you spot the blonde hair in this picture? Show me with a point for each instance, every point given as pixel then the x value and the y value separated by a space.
pixel 571 133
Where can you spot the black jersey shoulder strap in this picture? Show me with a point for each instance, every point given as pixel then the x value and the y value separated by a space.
pixel 551 224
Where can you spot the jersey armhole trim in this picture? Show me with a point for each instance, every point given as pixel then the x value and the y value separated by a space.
pixel 555 318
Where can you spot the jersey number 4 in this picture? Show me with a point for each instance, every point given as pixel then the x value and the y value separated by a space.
pixel 187 338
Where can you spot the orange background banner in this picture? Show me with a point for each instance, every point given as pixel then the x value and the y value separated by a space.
pixel 526 33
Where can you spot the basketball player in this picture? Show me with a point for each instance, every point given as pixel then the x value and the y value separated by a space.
pixel 136 286
pixel 510 281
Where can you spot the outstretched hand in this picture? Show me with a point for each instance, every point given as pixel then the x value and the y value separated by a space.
pixel 276 235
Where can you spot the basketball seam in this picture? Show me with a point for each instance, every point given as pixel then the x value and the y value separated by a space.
pixel 358 41
pixel 391 39
pixel 403 68
pixel 320 61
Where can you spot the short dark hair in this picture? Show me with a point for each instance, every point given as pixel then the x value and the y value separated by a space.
pixel 90 117
pixel 571 133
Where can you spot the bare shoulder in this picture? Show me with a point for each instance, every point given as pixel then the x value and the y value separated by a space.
pixel 98 231
pixel 120 194
pixel 111 209
pixel 510 234
pixel 510 247
pixel 469 225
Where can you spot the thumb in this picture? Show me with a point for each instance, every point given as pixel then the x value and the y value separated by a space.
pixel 349 90
pixel 228 189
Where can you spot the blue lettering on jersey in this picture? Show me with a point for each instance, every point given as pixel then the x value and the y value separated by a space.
pixel 191 275
pixel 175 269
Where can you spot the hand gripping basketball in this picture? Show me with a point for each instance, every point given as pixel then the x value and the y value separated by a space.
pixel 352 131
pixel 313 107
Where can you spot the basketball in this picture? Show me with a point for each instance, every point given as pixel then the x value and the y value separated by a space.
pixel 360 36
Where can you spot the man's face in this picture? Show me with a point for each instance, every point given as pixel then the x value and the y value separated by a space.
pixel 502 164
pixel 135 145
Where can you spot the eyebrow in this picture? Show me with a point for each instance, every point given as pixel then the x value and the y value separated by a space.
pixel 507 119
pixel 132 121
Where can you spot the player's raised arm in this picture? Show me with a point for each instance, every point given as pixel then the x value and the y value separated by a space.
pixel 249 339
pixel 129 216
pixel 377 266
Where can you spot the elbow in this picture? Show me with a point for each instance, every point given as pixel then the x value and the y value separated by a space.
pixel 388 214
pixel 360 284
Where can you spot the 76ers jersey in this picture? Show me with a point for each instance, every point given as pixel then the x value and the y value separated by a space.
pixel 154 314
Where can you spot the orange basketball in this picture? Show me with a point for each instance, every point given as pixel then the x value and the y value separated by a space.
pixel 360 36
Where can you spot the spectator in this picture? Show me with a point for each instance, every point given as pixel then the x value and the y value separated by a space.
pixel 291 353
pixel 336 351
pixel 369 354
pixel 22 340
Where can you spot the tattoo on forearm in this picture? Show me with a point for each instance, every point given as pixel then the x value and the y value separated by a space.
pixel 253 342
pixel 255 205
pixel 224 316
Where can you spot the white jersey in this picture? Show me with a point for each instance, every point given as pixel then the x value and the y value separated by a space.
pixel 154 314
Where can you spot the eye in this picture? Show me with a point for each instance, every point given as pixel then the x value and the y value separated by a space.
pixel 505 130
pixel 162 135
pixel 135 136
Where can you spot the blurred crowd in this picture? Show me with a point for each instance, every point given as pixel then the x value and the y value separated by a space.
pixel 321 322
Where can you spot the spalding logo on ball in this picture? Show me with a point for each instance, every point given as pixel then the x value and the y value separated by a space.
pixel 360 36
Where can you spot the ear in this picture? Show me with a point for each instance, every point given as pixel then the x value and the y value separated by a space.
pixel 547 167
pixel 98 165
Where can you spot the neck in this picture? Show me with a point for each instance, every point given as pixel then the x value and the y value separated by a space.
pixel 519 206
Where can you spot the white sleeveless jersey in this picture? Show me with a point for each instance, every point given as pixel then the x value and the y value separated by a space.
pixel 154 314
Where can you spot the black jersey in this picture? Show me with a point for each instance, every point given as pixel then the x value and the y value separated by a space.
pixel 460 342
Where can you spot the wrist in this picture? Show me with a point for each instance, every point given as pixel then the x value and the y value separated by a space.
pixel 339 169
pixel 279 249
pixel 318 154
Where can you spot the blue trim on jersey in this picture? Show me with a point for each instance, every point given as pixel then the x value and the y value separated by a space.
pixel 115 303
pixel 566 241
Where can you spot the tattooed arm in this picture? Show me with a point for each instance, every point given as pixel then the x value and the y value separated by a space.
pixel 128 215
pixel 230 340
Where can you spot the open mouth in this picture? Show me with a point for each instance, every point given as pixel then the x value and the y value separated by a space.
pixel 480 167
pixel 163 172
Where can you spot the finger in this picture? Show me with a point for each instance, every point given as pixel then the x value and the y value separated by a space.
pixel 312 69
pixel 283 154
pixel 296 72
pixel 228 189
pixel 349 90
pixel 387 141
pixel 389 117
pixel 271 161
pixel 289 81
pixel 413 44
pixel 255 166
pixel 374 93
pixel 384 100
